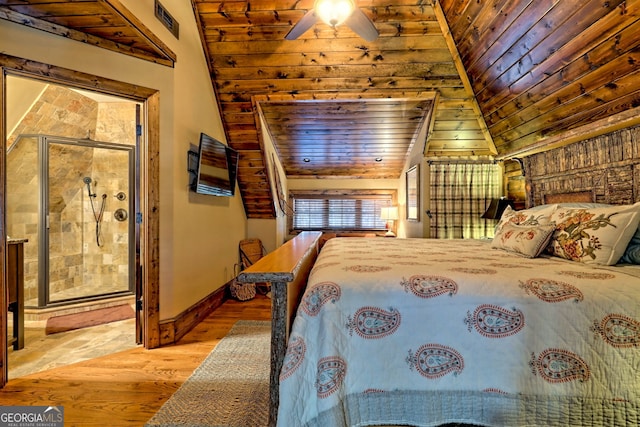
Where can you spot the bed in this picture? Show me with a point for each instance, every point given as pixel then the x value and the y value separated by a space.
pixel 538 327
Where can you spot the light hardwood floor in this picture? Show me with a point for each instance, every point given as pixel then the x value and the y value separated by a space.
pixel 127 388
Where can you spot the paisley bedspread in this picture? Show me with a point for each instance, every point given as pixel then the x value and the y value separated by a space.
pixel 425 332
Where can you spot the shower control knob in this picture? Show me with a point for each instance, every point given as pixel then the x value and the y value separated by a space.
pixel 121 196
pixel 120 215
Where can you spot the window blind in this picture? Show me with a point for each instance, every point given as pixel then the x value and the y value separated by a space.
pixel 339 212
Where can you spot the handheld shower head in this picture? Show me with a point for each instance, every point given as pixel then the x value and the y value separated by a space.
pixel 87 180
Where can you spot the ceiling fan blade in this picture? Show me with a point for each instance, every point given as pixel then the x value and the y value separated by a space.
pixel 307 21
pixel 362 25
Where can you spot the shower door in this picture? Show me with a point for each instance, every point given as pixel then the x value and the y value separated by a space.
pixel 89 232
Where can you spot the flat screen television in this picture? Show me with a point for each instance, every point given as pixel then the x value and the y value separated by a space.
pixel 216 168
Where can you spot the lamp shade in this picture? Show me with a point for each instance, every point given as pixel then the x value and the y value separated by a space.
pixel 496 208
pixel 389 213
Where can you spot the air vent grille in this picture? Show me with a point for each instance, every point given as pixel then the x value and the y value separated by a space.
pixel 167 20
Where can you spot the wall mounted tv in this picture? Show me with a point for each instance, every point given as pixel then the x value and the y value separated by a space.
pixel 213 168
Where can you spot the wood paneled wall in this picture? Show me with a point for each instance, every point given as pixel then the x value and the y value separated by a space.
pixel 609 165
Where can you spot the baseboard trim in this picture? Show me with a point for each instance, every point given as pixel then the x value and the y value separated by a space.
pixel 171 330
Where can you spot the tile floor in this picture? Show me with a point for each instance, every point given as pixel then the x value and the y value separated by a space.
pixel 42 352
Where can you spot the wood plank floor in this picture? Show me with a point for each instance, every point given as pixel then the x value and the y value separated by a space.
pixel 127 388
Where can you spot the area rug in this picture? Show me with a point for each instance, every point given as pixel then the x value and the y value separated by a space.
pixel 69 322
pixel 231 386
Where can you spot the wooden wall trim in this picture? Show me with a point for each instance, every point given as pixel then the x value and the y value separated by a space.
pixel 171 330
pixel 149 165
pixel 4 370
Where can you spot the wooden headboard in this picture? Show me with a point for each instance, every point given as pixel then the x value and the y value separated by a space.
pixel 588 196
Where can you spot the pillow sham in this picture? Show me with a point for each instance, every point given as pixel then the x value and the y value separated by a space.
pixel 526 240
pixel 595 235
pixel 533 217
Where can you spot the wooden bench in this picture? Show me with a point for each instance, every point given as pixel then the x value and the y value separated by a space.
pixel 287 269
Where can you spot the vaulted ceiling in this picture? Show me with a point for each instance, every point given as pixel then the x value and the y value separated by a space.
pixel 501 77
pixel 333 103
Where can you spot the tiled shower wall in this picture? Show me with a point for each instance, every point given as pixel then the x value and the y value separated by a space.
pixel 79 267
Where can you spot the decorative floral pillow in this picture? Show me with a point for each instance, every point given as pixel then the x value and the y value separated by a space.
pixel 532 217
pixel 594 236
pixel 525 240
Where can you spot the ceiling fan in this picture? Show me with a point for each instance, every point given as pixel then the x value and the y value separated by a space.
pixel 334 13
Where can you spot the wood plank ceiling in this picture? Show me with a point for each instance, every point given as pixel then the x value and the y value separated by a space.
pixel 544 73
pixel 364 138
pixel 333 103
pixel 548 72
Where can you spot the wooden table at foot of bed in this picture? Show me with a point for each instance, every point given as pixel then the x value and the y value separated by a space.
pixel 287 269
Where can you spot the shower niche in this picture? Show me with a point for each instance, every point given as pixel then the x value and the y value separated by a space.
pixel 67 197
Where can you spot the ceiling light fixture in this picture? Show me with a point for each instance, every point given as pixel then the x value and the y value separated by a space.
pixel 378 159
pixel 334 12
pixel 306 160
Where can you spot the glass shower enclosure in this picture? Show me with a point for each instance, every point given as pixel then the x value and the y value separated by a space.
pixel 72 200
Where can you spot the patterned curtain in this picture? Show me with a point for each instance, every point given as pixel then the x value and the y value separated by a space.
pixel 460 194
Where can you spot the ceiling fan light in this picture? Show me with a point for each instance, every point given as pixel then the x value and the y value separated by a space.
pixel 334 12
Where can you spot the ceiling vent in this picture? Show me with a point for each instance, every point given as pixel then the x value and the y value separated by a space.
pixel 167 20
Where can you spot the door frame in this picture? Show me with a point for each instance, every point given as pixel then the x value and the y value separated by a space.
pixel 147 192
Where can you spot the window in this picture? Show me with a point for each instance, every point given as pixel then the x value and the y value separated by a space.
pixel 348 210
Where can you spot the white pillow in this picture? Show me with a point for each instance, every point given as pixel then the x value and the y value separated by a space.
pixel 594 235
pixel 526 240
pixel 534 216
pixel 540 207
pixel 588 205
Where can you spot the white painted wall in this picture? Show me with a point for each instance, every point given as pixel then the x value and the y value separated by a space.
pixel 272 232
pixel 413 228
pixel 21 95
pixel 199 234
